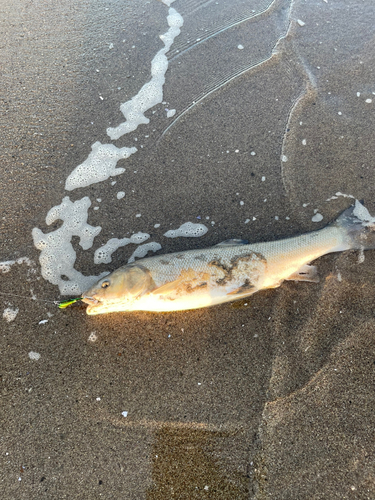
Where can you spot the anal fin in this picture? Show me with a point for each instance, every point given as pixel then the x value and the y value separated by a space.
pixel 305 273
pixel 246 288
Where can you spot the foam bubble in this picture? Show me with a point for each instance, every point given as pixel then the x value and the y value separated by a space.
pixel 99 166
pixel 317 217
pixel 10 314
pixel 58 256
pixel 103 255
pixel 188 230
pixel 35 356
pixel 142 250
pixel 120 195
pixel 138 238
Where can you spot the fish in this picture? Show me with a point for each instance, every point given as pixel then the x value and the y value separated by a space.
pixel 231 270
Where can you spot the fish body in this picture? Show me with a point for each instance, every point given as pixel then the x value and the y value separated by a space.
pixel 228 271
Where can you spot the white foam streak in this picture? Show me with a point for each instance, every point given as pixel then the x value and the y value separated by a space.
pixel 6 265
pixel 188 230
pixel 152 92
pixel 340 194
pixel 104 253
pixel 58 256
pixel 99 166
pixel 143 250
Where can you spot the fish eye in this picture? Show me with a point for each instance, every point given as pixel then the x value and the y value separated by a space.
pixel 105 284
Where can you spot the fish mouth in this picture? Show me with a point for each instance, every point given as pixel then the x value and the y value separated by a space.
pixel 91 301
pixel 96 306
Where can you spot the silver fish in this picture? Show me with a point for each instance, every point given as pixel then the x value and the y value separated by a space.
pixel 228 271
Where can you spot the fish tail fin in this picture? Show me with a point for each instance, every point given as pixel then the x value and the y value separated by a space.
pixel 359 227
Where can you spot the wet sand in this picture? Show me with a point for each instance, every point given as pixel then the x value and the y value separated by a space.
pixel 268 397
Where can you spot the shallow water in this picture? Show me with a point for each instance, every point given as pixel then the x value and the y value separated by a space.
pixel 265 125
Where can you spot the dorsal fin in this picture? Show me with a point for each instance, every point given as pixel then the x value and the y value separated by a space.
pixel 232 243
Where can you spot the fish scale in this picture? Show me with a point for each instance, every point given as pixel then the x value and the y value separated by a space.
pixel 168 268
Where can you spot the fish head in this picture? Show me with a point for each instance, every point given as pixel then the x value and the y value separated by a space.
pixel 119 290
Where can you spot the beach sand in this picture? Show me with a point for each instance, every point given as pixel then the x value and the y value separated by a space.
pixel 271 397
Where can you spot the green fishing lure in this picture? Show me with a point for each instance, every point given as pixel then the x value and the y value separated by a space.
pixel 66 303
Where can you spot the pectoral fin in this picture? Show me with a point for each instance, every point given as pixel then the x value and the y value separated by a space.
pixel 305 273
pixel 168 287
pixel 188 280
